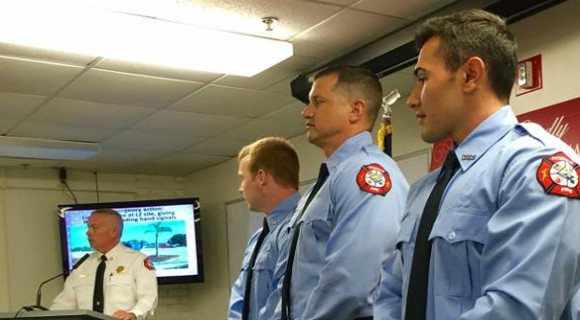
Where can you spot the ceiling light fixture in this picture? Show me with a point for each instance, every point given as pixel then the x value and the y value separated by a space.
pixel 64 26
pixel 17 147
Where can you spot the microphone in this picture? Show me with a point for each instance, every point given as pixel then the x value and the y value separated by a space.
pixel 39 293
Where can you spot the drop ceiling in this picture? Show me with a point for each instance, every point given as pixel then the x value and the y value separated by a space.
pixel 157 120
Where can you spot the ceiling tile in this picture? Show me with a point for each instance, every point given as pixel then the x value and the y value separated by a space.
pixel 181 164
pixel 129 89
pixel 408 9
pixel 325 42
pixel 217 147
pixel 245 16
pixel 33 129
pixel 155 70
pixel 257 129
pixel 186 124
pixel 91 114
pixel 157 143
pixel 16 107
pixel 32 77
pixel 114 160
pixel 15 104
pixel 13 50
pixel 290 115
pixel 234 102
pixel 209 117
pixel 289 68
pixel 282 87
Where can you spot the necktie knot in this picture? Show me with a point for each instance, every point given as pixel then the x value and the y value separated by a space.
pixel 449 168
pixel 103 258
pixel 265 227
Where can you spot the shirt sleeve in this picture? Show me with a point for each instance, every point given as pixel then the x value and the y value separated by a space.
pixel 532 251
pixel 146 291
pixel 237 298
pixel 388 303
pixel 66 299
pixel 365 228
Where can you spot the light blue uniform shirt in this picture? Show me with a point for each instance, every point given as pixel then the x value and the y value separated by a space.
pixel 346 235
pixel 501 247
pixel 263 280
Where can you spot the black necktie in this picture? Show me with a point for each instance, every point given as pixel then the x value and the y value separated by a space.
pixel 98 297
pixel 250 270
pixel 322 175
pixel 419 279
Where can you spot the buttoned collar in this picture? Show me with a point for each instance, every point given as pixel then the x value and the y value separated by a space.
pixel 347 149
pixel 485 136
pixel 283 210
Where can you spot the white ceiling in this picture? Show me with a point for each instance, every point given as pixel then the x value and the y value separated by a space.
pixel 155 120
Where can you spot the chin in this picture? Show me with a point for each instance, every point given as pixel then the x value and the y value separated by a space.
pixel 430 137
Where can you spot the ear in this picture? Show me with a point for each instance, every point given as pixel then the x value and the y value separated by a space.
pixel 262 177
pixel 116 231
pixel 474 73
pixel 358 108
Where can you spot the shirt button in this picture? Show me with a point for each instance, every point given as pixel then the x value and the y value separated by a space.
pixel 451 235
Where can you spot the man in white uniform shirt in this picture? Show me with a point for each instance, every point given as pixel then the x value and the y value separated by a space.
pixel 129 284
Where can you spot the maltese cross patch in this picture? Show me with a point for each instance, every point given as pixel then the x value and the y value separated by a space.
pixel 559 175
pixel 372 178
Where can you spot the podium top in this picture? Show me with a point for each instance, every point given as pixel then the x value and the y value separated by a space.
pixel 58 314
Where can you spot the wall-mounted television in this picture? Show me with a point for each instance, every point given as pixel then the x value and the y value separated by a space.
pixel 167 231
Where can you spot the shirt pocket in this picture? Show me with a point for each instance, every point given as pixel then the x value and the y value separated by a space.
pixel 246 260
pixel 120 285
pixel 264 260
pixel 315 230
pixel 458 238
pixel 405 241
pixel 84 286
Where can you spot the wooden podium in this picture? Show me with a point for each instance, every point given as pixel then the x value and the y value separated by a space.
pixel 58 315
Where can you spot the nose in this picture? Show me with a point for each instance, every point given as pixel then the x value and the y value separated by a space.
pixel 414 101
pixel 306 111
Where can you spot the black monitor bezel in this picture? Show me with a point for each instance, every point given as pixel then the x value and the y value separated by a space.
pixel 199 278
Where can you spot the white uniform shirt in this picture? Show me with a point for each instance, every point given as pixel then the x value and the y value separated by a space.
pixel 129 284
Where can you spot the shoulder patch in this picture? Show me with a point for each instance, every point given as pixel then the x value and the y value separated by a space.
pixel 148 264
pixel 558 175
pixel 373 178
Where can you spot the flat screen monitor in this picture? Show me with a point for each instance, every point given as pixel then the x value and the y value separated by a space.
pixel 166 231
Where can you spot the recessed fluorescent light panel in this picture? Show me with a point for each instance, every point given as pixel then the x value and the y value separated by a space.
pixel 65 26
pixel 20 147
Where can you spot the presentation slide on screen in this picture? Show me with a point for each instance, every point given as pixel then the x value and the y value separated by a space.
pixel 165 234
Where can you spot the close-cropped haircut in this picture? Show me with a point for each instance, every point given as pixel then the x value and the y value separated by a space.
pixel 357 81
pixel 276 156
pixel 471 33
pixel 112 213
